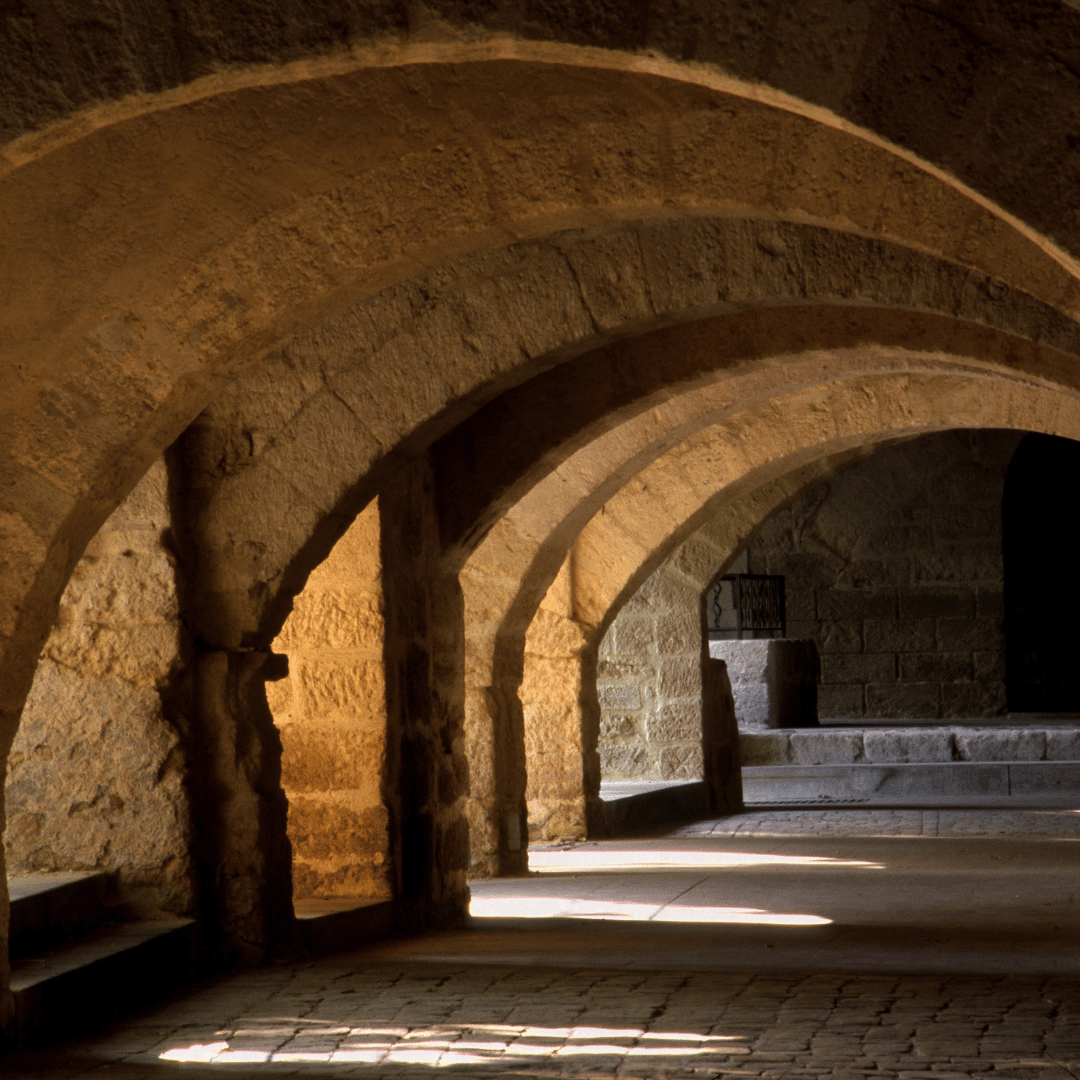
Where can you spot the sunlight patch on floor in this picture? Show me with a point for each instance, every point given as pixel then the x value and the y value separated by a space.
pixel 448 1045
pixel 577 859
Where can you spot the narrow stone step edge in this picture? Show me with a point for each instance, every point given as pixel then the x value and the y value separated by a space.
pixel 98 947
pixel 325 927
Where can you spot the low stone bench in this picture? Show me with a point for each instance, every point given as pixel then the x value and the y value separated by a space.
pixel 773 681
pixel 900 745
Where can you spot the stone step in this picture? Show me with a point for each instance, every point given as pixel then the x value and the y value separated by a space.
pixel 331 926
pixel 49 909
pixel 1033 783
pixel 109 972
pixel 909 745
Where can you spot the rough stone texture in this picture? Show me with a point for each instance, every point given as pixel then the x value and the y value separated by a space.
pixel 898 747
pixel 161 246
pixel 920 520
pixel 1001 746
pixel 427 771
pixel 96 775
pixel 820 748
pixel 894 746
pixel 551 691
pixel 774 681
pixel 889 567
pixel 747 664
pixel 649 686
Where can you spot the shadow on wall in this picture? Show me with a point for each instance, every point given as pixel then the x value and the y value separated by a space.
pixel 331 712
pixel 96 774
pixel 892 568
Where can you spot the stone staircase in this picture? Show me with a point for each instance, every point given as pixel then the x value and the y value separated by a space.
pixel 914 765
pixel 74 966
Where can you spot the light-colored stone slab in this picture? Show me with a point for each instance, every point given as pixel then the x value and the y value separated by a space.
pixel 899 747
pixel 826 748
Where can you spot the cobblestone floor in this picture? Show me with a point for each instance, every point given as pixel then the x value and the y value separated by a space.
pixel 591 999
pixel 351 1017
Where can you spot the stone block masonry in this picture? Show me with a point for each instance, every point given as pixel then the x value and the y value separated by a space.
pixel 331 711
pixel 909 746
pixel 95 779
pixel 893 568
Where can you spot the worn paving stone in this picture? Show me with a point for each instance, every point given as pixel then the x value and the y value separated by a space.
pixel 386 1020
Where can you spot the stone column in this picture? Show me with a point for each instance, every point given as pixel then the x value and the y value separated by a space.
pixel 425 777
pixel 720 739
pixel 241 848
pixel 243 863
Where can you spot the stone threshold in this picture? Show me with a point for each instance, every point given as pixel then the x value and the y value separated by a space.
pixel 909 744
pixel 1028 783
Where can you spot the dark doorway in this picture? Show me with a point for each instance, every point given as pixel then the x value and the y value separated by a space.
pixel 1040 545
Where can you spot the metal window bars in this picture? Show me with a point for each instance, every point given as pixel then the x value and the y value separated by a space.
pixel 754 609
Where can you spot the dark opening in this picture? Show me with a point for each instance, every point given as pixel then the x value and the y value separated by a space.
pixel 1040 545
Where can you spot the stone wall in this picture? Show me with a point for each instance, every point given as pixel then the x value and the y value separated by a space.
pixel 95 780
pixel 331 712
pixel 892 567
pixel 551 692
pixel 649 671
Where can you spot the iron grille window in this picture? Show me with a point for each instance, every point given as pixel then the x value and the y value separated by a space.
pixel 747 606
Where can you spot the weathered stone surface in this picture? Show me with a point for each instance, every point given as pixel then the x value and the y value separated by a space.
pixel 857 668
pixel 332 715
pixel 765 748
pixel 833 748
pixel 936 667
pixel 623 763
pixel 339 689
pixel 617 725
pixel 109 355
pixel 746 661
pixel 841 702
pixel 900 635
pixel 844 604
pixel 899 747
pixel 620 697
pixel 1010 745
pixel 972 699
pixel 341 834
pixel 340 620
pixel 912 701
pixel 1062 745
pixel 681 763
pixel 678 722
pixel 327 756
pixel 680 677
pixel 95 778
pixel 93 784
pixel 940 602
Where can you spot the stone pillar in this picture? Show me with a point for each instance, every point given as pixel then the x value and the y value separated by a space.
pixel 241 850
pixel 218 704
pixel 553 691
pixel 720 739
pixel 425 777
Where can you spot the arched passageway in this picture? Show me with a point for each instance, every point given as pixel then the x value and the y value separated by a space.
pixel 518 280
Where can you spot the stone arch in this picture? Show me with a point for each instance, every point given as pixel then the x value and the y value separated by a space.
pixel 201 301
pixel 140 294
pixel 652 514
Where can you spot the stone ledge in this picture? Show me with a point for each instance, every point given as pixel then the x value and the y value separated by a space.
pixel 909 745
pixel 1056 782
